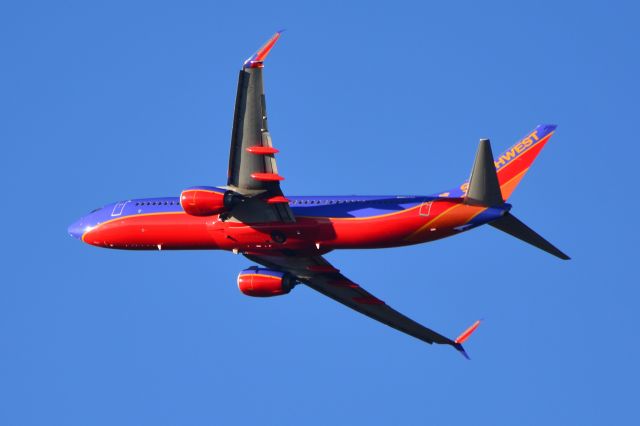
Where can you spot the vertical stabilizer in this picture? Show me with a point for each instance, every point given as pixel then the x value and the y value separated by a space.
pixel 484 188
pixel 512 164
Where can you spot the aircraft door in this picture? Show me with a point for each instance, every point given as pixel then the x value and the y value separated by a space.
pixel 119 207
pixel 425 209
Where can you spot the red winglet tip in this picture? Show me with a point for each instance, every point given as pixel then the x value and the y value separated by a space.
pixel 468 332
pixel 256 60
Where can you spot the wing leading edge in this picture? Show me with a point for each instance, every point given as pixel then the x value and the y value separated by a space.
pixel 320 275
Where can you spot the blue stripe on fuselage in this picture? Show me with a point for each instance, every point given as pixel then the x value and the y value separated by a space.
pixel 153 205
pixel 122 209
pixel 349 206
pixel 353 206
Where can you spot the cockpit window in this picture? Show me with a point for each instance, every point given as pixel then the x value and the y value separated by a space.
pixel 95 210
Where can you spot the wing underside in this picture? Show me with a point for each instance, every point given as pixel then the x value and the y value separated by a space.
pixel 253 173
pixel 252 165
pixel 317 273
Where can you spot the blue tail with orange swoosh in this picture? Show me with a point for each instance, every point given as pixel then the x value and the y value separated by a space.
pixel 513 164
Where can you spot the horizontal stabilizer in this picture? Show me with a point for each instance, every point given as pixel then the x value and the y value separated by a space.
pixel 512 226
pixel 484 188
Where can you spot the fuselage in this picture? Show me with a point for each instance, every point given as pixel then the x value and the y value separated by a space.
pixel 323 223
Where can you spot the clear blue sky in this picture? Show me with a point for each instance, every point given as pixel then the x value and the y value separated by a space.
pixel 110 100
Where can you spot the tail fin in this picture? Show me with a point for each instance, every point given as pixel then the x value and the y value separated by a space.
pixel 512 164
pixel 485 188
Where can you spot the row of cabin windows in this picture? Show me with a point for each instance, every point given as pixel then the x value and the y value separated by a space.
pixel 177 203
pixel 387 201
pixel 157 203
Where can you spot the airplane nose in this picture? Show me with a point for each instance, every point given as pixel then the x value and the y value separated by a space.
pixel 76 229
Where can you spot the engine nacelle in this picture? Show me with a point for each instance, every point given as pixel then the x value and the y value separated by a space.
pixel 262 282
pixel 206 200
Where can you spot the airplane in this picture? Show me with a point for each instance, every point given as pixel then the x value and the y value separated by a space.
pixel 288 235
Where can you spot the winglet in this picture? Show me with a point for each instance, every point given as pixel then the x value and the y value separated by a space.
pixel 460 349
pixel 463 338
pixel 257 59
pixel 468 332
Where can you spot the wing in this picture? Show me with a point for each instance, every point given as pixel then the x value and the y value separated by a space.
pixel 252 164
pixel 320 275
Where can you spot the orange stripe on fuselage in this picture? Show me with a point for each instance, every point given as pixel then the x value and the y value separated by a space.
pixel 365 217
pixel 454 216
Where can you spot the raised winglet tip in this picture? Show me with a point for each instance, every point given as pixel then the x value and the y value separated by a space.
pixel 463 338
pixel 468 332
pixel 257 59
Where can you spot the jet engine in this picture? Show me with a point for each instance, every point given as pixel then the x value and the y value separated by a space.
pixel 207 200
pixel 262 282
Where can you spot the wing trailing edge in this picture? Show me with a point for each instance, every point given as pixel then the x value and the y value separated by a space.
pixel 317 273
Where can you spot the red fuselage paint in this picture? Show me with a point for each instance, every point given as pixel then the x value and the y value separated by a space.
pixel 177 230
